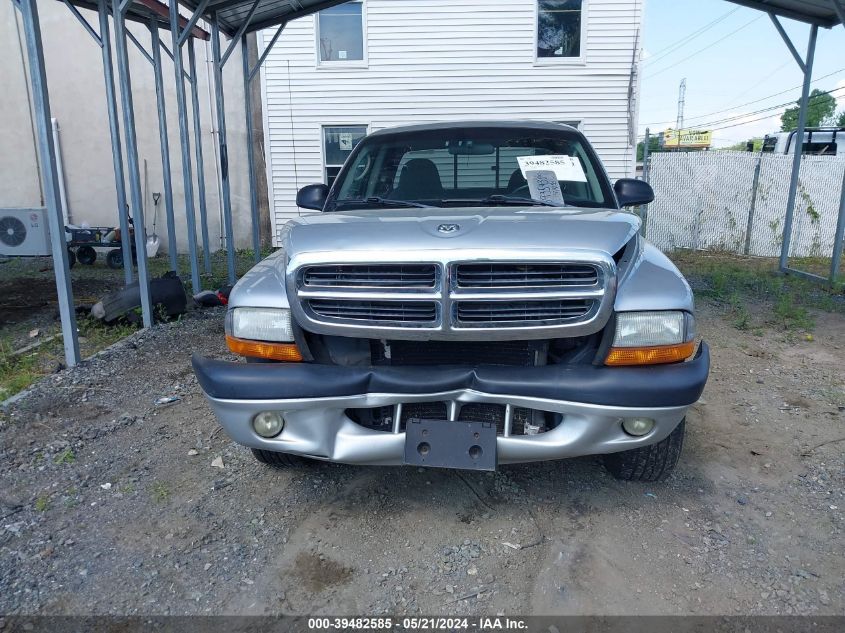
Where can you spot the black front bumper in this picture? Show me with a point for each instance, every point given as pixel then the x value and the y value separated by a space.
pixel 674 385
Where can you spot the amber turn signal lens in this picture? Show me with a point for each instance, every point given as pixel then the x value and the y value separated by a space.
pixel 657 355
pixel 271 351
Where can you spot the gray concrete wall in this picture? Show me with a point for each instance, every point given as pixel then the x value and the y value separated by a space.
pixel 77 98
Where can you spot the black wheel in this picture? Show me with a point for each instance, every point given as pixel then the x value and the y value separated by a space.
pixel 648 463
pixel 71 258
pixel 86 255
pixel 279 460
pixel 114 259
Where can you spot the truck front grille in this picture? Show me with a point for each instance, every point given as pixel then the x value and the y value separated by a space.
pixel 520 313
pixel 375 311
pixel 385 276
pixel 521 421
pixel 499 353
pixel 524 275
pixel 511 299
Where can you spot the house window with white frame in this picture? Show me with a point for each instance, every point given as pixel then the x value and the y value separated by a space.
pixel 340 33
pixel 338 143
pixel 559 28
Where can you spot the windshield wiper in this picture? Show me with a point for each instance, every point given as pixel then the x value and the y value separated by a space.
pixel 386 202
pixel 499 199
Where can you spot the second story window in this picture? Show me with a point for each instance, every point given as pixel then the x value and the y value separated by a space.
pixel 559 25
pixel 340 33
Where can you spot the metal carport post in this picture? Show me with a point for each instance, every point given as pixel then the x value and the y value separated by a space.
pixel 179 38
pixel 839 235
pixel 132 157
pixel 155 44
pixel 806 66
pixel 49 175
pixel 114 132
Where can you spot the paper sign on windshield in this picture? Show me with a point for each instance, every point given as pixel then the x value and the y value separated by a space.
pixel 565 167
pixel 544 186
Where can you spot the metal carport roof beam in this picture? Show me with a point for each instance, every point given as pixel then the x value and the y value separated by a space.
pixel 230 14
pixel 141 10
pixel 788 42
pixel 83 22
pixel 237 36
pixel 186 30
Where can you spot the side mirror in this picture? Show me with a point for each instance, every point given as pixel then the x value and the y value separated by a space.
pixel 312 197
pixel 632 192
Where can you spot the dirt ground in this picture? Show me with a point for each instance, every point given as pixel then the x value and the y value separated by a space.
pixel 111 503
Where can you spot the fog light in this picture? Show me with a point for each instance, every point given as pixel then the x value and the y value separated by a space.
pixel 638 426
pixel 268 423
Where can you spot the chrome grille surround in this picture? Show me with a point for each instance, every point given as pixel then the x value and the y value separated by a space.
pixel 352 304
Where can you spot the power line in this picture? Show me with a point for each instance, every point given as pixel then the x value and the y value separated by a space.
pixel 709 124
pixel 769 109
pixel 742 105
pixel 706 48
pixel 687 39
pixel 757 84
pixel 730 120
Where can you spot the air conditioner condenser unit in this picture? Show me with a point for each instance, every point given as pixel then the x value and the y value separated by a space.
pixel 24 232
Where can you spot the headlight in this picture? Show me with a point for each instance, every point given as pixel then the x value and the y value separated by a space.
pixel 652 338
pixel 261 324
pixel 639 329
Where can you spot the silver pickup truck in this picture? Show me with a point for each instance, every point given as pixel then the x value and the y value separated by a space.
pixel 469 295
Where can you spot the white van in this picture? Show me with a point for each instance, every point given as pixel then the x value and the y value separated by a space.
pixel 818 141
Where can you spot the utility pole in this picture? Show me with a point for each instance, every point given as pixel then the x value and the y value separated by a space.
pixel 682 97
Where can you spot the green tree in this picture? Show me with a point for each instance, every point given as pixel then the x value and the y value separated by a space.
pixel 820 107
pixel 653 146
pixel 743 146
pixel 840 120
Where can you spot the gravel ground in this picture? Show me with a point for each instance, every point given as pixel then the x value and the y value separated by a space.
pixel 111 503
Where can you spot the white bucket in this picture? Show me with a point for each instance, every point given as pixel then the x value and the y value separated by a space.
pixel 153 244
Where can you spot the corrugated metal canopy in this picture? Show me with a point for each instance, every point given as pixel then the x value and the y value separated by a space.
pixel 826 13
pixel 233 13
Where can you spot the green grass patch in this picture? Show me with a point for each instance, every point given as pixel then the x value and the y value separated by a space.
pixel 160 492
pixel 754 294
pixel 17 371
pixel 65 457
pixel 99 336
pixel 42 503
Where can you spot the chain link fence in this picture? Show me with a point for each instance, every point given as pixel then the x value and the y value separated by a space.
pixel 736 202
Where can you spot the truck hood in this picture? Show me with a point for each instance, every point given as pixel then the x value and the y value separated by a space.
pixel 472 229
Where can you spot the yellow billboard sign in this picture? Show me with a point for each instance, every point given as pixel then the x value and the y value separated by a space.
pixel 687 139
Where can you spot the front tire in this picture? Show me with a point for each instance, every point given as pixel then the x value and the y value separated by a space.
pixel 279 460
pixel 648 463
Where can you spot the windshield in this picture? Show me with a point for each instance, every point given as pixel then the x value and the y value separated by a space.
pixel 462 167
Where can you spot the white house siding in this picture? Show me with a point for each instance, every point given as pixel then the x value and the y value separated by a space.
pixel 439 60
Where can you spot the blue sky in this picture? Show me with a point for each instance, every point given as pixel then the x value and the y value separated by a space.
pixel 750 63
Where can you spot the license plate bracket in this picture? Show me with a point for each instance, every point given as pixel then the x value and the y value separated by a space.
pixel 450 444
